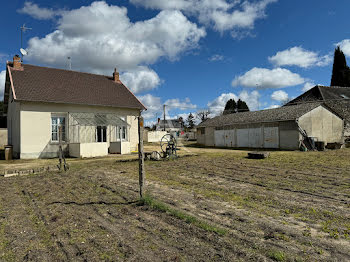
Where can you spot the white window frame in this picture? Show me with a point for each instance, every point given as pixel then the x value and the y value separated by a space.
pixel 59 117
pixel 122 132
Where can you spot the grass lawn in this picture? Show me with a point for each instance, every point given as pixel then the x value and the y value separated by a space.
pixel 215 206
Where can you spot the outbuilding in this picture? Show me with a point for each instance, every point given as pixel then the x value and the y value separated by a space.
pixel 279 128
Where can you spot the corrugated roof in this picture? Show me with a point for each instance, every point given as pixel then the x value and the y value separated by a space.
pixel 285 113
pixel 43 84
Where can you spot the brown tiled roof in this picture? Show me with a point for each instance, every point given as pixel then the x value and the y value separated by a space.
pixel 285 113
pixel 42 84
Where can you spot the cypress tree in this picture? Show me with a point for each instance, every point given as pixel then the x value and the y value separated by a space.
pixel 242 106
pixel 230 107
pixel 341 72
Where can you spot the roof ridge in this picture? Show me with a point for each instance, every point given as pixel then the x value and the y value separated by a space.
pixel 67 70
pixel 321 92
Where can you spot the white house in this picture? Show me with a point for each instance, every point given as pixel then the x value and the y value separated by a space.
pixel 98 114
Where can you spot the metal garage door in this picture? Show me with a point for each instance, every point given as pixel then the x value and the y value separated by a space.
pixel 255 138
pixel 271 137
pixel 243 137
pixel 219 138
pixel 229 138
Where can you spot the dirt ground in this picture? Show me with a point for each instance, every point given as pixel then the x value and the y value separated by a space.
pixel 215 206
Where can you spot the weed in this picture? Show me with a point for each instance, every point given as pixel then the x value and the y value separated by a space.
pixel 160 206
pixel 277 255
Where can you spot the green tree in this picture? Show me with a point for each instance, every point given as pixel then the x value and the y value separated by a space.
pixel 230 107
pixel 190 121
pixel 340 72
pixel 242 106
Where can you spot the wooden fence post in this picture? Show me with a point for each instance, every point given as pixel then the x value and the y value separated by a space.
pixel 141 157
pixel 60 153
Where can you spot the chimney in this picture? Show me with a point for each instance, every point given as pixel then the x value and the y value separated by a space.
pixel 17 62
pixel 116 75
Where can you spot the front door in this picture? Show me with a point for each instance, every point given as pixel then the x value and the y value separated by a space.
pixel 101 135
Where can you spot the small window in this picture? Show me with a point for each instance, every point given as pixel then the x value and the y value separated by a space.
pixel 122 133
pixel 202 130
pixel 57 121
pixel 101 134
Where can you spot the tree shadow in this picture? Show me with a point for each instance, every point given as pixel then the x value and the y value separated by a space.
pixel 93 203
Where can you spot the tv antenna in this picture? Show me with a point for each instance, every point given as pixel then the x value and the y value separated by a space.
pixel 69 63
pixel 23 30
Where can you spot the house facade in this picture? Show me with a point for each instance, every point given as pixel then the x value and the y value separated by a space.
pixel 336 98
pixel 273 128
pixel 96 114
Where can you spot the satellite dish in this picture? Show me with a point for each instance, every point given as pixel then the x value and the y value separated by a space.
pixel 23 52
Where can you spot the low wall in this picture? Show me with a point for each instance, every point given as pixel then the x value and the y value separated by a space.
pixel 119 147
pixel 88 149
pixel 155 136
pixel 3 137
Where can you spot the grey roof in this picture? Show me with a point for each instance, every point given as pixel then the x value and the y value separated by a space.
pixel 285 113
pixel 323 93
pixel 329 93
pixel 170 123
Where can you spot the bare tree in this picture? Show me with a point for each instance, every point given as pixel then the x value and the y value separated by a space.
pixel 203 115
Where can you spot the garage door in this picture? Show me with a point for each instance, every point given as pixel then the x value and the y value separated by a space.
pixel 243 137
pixel 219 138
pixel 255 138
pixel 271 137
pixel 229 138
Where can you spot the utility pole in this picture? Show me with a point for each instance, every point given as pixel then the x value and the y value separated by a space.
pixel 164 116
pixel 141 157
pixel 69 63
pixel 23 30
pixel 257 88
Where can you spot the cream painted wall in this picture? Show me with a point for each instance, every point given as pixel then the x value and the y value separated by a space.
pixel 155 136
pixel 88 149
pixel 322 124
pixel 13 125
pixel 3 137
pixel 35 135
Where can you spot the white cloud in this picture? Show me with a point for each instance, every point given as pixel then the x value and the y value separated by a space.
pixel 222 15
pixel 297 56
pixel 216 57
pixel 272 107
pixel 140 79
pixel 345 46
pixel 217 106
pixel 252 99
pixel 268 78
pixel 100 37
pixel 176 103
pixel 37 12
pixel 280 96
pixel 308 86
pixel 153 105
pixel 2 84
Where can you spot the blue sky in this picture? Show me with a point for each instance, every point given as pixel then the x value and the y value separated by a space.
pixel 191 55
